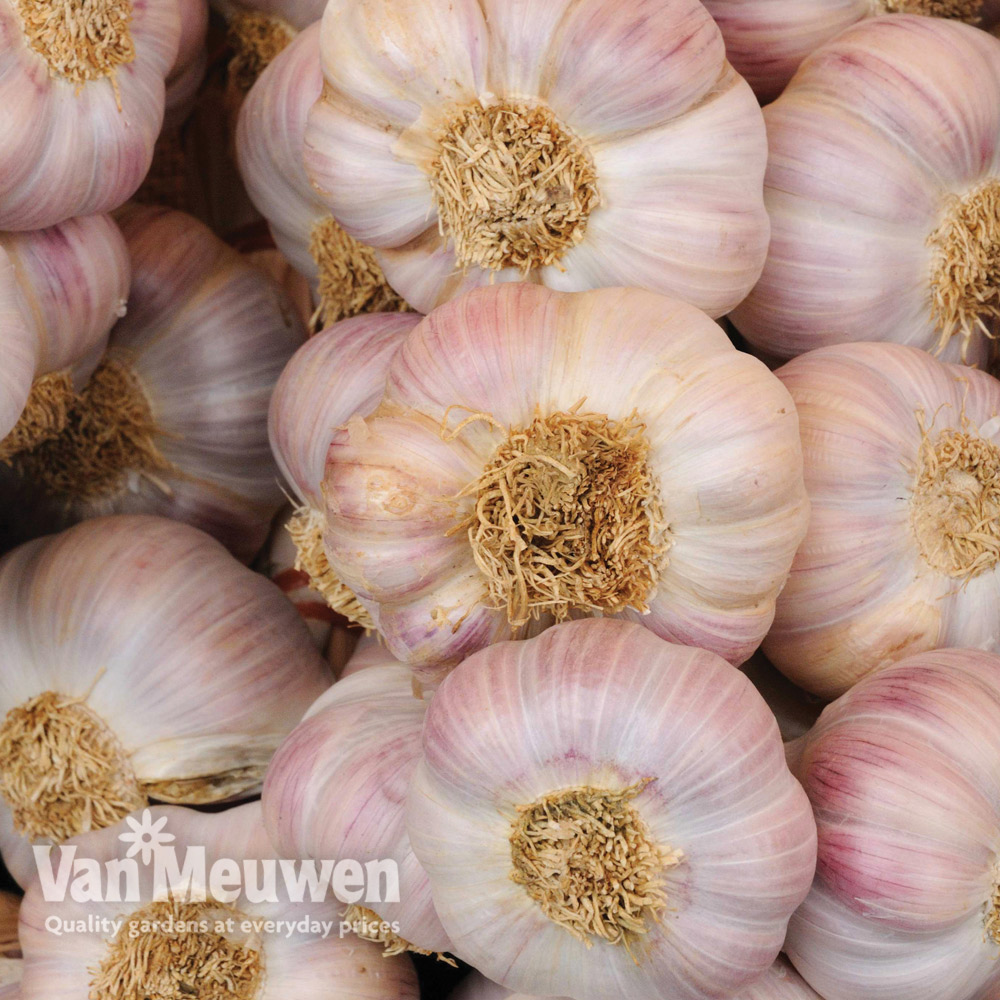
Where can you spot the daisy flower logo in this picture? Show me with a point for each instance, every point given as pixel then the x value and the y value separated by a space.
pixel 146 837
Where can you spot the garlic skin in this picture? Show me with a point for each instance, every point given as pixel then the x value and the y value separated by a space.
pixel 335 375
pixel 766 40
pixel 369 652
pixel 898 558
pixel 198 666
pixel 873 237
pixel 717 827
pixel 780 982
pixel 720 496
pixel 61 291
pixel 189 67
pixel 607 91
pixel 336 788
pixel 204 341
pixel 303 965
pixel 901 775
pixel 270 137
pixel 80 147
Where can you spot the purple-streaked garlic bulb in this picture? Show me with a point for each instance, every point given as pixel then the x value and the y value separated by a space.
pixel 902 555
pixel 541 455
pixel 79 119
pixel 138 660
pixel 335 376
pixel 337 787
pixel 236 933
pixel 189 67
pixel 345 277
pixel 902 775
pixel 883 188
pixel 766 40
pixel 603 814
pixel 174 419
pixel 61 291
pixel 572 144
pixel 780 982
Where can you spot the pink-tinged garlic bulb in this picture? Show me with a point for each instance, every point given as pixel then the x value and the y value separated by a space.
pixel 602 813
pixel 189 67
pixel 140 661
pixel 901 773
pixel 883 187
pixel 83 104
pixel 238 931
pixel 279 566
pixel 345 278
pixel 902 555
pixel 174 419
pixel 337 787
pixel 539 455
pixel 369 652
pixel 61 291
pixel 780 982
pixel 576 146
pixel 335 375
pixel 766 40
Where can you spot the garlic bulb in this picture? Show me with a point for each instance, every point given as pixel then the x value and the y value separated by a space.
pixel 344 275
pixel 140 660
pixel 189 67
pixel 901 773
pixel 337 786
pixel 237 933
pixel 529 462
pixel 780 982
pixel 902 466
pixel 61 290
pixel 174 420
pixel 335 375
pixel 369 652
pixel 883 187
pixel 604 814
pixel 575 145
pixel 83 104
pixel 766 40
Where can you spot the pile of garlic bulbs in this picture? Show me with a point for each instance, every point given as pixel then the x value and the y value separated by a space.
pixel 499 499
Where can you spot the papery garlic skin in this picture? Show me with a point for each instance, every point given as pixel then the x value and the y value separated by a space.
pixel 270 137
pixel 306 965
pixel 901 775
pixel 593 705
pixel 198 666
pixel 864 173
pixel 766 40
pixel 61 291
pixel 80 148
pixel 862 591
pixel 337 786
pixel 202 345
pixel 723 464
pixel 640 93
pixel 780 982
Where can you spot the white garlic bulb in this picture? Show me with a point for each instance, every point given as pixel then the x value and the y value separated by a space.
pixel 174 420
pixel 139 660
pixel 901 772
pixel 603 814
pixel 576 145
pixel 540 455
pixel 81 103
pixel 883 188
pixel 902 467
pixel 337 787
pixel 61 291
pixel 334 376
pixel 344 275
pixel 235 934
